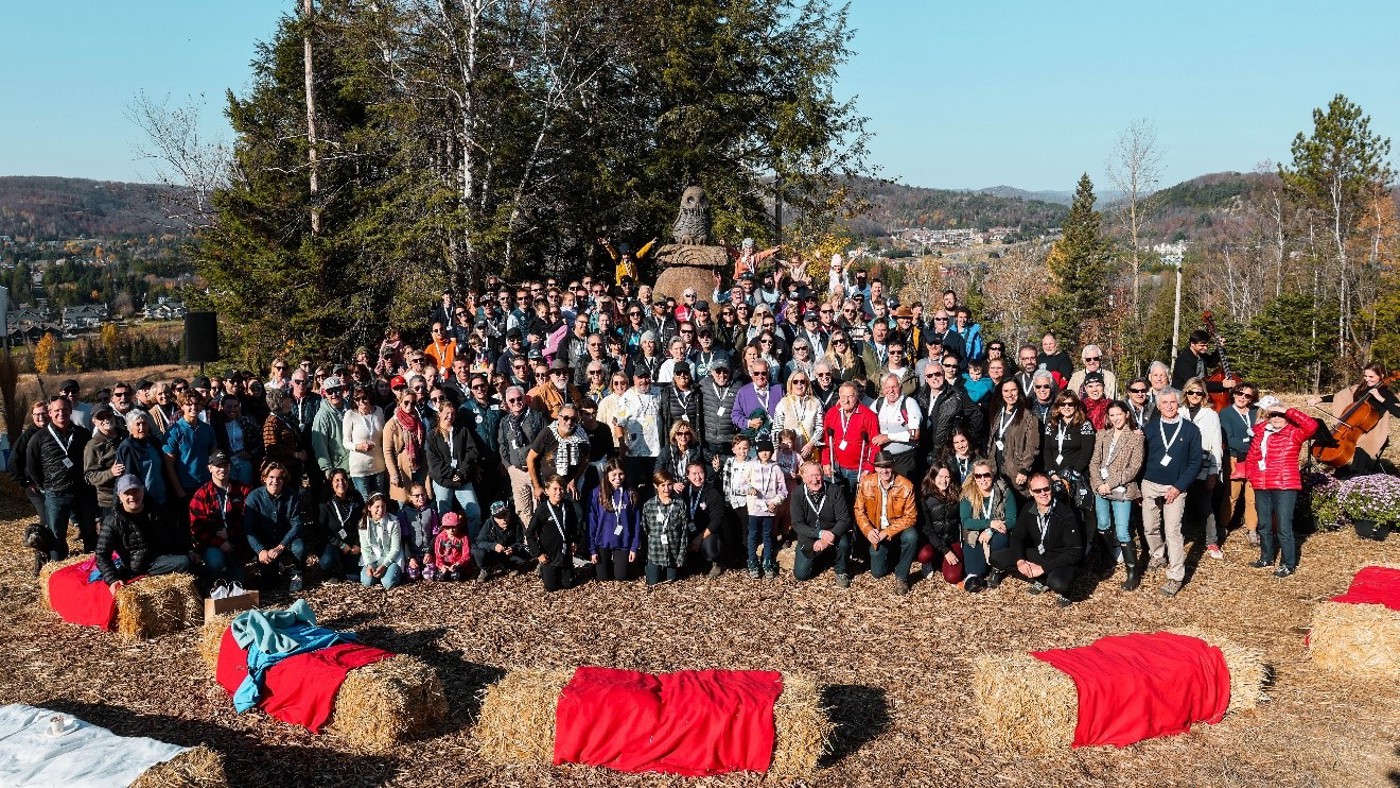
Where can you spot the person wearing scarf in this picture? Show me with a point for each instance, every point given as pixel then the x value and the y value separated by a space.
pixel 404 455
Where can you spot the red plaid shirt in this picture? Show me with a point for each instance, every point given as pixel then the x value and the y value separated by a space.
pixel 212 510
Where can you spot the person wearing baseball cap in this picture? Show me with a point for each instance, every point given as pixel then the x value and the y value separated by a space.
pixel 140 537
pixel 500 547
pixel 216 520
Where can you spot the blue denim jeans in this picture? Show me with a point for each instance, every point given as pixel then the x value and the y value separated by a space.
pixel 466 498
pixel 908 546
pixel 974 559
pixel 657 573
pixel 1271 505
pixel 1114 515
pixel 391 578
pixel 760 527
pixel 368 485
pixel 804 568
pixel 58 507
pixel 222 566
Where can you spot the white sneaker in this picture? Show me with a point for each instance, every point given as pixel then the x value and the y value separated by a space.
pixel 1215 552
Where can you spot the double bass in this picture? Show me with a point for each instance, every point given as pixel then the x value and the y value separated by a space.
pixel 1359 418
pixel 1218 395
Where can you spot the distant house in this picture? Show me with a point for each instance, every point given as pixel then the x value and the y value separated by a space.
pixel 82 318
pixel 165 309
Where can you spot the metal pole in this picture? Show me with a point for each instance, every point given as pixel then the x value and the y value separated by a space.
pixel 1176 315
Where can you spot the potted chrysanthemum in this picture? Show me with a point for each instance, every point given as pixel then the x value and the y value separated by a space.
pixel 1372 503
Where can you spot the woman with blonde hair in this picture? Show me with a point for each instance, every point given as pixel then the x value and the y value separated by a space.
pixel 843 359
pixel 800 411
pixel 405 452
pixel 988 513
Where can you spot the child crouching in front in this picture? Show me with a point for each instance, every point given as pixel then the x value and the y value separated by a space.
pixel 451 552
pixel 381 545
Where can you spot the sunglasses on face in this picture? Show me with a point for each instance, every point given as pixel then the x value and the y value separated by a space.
pixel 1040 491
pixel 983 475
pixel 950 366
pixel 1087 359
pixel 513 399
pixel 1041 386
pixel 1195 393
pixel 569 419
pixel 1137 391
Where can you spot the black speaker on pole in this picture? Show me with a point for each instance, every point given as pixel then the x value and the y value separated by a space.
pixel 201 337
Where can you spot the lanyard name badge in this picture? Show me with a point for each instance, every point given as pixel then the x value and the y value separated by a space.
pixel 558 524
pixel 67 461
pixel 1167 444
pixel 1042 521
pixel 1060 445
pixel 1003 423
pixel 845 428
pixel 719 396
pixel 620 507
pixel 1108 460
pixel 450 452
pixel 343 518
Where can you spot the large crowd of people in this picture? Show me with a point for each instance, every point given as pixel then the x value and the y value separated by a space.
pixel 597 427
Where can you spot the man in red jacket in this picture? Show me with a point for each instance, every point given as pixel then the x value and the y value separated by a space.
pixel 850 429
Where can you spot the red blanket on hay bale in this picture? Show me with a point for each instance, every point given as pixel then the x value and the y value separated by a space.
pixel 694 723
pixel 78 601
pixel 300 689
pixel 1137 687
pixel 1373 585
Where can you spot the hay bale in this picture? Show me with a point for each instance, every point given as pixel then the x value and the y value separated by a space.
pixel 152 607
pixel 383 704
pixel 158 605
pixel 379 706
pixel 1248 673
pixel 199 767
pixel 47 570
pixel 1361 641
pixel 801 727
pixel 211 637
pixel 1023 704
pixel 516 723
pixel 1028 706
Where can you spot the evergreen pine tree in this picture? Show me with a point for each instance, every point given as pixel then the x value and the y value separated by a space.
pixel 1080 264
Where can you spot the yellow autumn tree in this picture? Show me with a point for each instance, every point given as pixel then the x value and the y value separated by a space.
pixel 46 355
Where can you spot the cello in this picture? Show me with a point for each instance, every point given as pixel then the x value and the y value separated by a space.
pixel 1359 418
pixel 1219 399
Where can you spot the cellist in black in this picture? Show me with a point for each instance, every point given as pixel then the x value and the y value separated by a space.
pixel 1370 430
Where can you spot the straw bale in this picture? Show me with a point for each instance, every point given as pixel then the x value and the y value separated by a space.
pixel 802 729
pixel 47 570
pixel 516 724
pixel 199 767
pixel 211 637
pixel 159 605
pixel 1024 704
pixel 378 706
pixel 1361 641
pixel 385 703
pixel 1248 673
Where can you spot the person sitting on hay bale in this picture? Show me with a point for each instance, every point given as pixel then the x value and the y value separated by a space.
pixel 552 536
pixel 501 544
pixel 139 539
pixel 1047 544
pixel 821 520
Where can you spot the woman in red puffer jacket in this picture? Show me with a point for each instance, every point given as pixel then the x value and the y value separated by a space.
pixel 1272 465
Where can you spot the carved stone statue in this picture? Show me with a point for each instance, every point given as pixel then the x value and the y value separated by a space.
pixel 692 227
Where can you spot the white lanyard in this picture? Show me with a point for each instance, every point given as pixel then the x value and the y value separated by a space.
pixel 1269 432
pixel 451 455
pixel 549 507
pixel 816 507
pixel 1003 423
pixel 65 446
pixel 1060 443
pixel 343 518
pixel 1161 430
pixel 962 466
pixel 762 400
pixel 846 423
pixel 987 507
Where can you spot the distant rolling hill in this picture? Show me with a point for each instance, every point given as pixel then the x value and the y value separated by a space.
pixel 44 208
pixel 895 206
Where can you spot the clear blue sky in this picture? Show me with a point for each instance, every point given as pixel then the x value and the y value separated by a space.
pixel 1023 93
